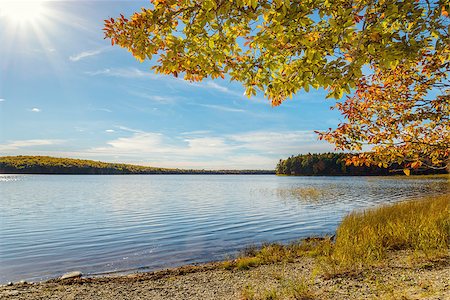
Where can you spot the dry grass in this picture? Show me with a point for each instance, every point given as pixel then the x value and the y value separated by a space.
pixel 300 289
pixel 273 253
pixel 364 238
pixel 297 288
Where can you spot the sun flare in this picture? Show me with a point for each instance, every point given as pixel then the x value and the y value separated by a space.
pixel 22 11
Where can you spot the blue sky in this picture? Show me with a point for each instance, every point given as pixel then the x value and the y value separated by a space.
pixel 66 92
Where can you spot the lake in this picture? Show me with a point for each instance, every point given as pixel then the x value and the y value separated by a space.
pixel 52 224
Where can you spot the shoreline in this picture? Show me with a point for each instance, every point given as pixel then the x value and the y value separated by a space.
pixel 396 251
pixel 397 275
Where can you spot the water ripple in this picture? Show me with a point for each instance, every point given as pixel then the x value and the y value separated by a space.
pixel 116 224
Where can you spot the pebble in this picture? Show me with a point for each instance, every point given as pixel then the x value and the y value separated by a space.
pixel 71 275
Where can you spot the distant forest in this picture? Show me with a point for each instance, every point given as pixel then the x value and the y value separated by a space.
pixel 333 164
pixel 324 164
pixel 55 165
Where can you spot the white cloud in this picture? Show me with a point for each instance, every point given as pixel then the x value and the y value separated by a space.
pixel 84 54
pixel 122 72
pixel 238 162
pixel 138 142
pixel 285 142
pixel 196 132
pixel 156 98
pixel 151 143
pixel 18 144
pixel 219 107
pixel 103 109
pixel 137 73
pixel 202 149
pixel 207 85
pixel 215 86
pixel 35 109
pixel 2 100
pixel 124 128
pixel 197 149
pixel 211 85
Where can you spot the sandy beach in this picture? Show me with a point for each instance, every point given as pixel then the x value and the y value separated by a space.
pixel 397 277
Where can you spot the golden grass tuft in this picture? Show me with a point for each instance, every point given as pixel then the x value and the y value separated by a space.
pixel 419 225
pixel 422 227
pixel 274 253
pixel 364 238
pixel 297 288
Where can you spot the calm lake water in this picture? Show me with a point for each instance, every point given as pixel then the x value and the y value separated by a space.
pixel 52 224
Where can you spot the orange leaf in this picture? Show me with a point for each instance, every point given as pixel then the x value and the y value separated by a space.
pixel 416 164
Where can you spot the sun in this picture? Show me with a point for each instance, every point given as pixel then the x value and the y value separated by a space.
pixel 22 11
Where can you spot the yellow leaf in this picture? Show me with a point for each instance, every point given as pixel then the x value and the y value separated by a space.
pixel 407 172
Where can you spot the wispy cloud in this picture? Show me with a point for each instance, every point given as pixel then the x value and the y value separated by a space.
pixel 35 109
pixel 216 86
pixel 211 85
pixel 88 53
pixel 156 98
pixel 19 144
pixel 197 149
pixel 122 72
pixel 196 132
pixel 134 73
pixel 281 144
pixel 152 143
pixel 128 129
pixel 2 100
pixel 103 109
pixel 220 107
pixel 203 149
pixel 41 50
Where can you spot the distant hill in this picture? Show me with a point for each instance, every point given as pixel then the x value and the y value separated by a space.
pixel 55 165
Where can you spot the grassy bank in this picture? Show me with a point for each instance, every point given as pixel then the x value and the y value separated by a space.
pixel 420 225
pixel 363 240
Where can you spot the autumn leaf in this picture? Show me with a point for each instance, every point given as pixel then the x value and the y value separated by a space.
pixel 391 72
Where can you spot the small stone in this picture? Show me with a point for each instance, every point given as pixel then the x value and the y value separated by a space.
pixel 23 282
pixel 9 284
pixel 12 293
pixel 71 275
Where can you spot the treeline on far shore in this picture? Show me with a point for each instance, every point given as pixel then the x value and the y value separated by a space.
pixel 56 165
pixel 333 164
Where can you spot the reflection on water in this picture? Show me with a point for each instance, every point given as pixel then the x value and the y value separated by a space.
pixel 6 178
pixel 304 193
pixel 371 190
pixel 102 224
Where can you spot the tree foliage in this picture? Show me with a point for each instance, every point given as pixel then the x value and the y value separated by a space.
pixel 336 164
pixel 403 112
pixel 280 47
